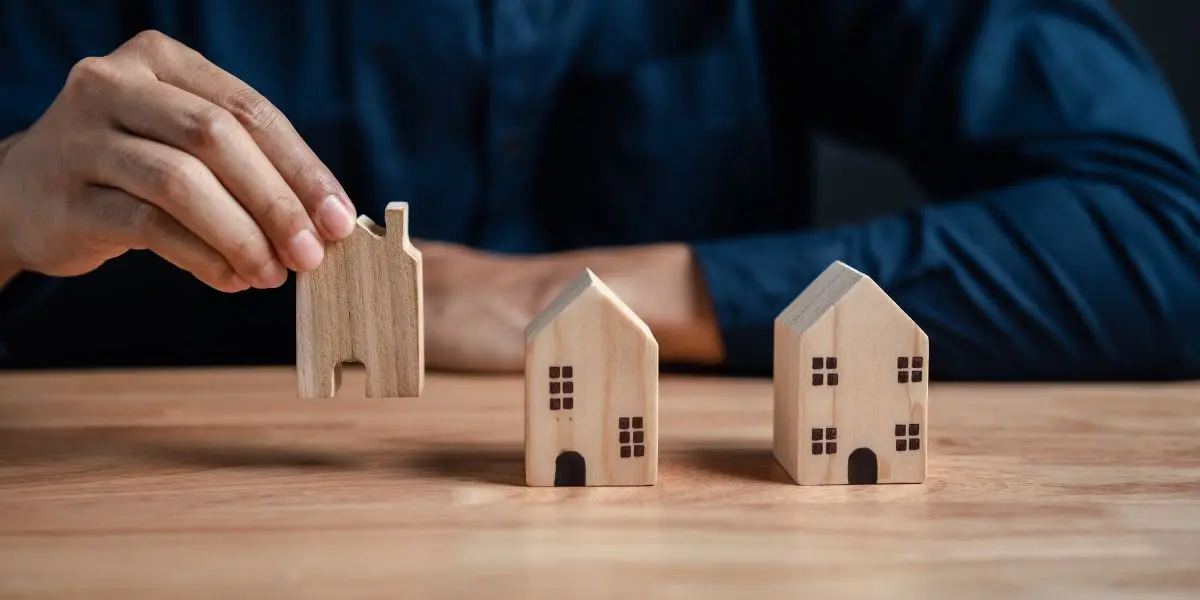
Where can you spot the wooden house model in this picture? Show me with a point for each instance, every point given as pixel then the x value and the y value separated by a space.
pixel 851 385
pixel 363 304
pixel 591 391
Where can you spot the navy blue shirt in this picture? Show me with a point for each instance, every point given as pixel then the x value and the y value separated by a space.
pixel 1062 241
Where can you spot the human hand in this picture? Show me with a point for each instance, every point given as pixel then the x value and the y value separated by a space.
pixel 154 147
pixel 477 305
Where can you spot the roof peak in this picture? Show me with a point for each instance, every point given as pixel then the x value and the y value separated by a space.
pixel 819 296
pixel 587 280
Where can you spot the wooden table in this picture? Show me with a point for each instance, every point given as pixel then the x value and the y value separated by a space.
pixel 222 484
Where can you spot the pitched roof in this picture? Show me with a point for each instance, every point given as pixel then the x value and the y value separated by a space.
pixel 825 291
pixel 369 225
pixel 581 284
pixel 395 214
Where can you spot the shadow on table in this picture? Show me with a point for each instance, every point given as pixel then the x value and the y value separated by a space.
pixel 481 464
pixel 131 446
pixel 224 455
pixel 19 447
pixel 489 464
pixel 754 464
pixel 465 463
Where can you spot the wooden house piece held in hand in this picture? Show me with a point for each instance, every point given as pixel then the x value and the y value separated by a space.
pixel 591 392
pixel 851 385
pixel 363 304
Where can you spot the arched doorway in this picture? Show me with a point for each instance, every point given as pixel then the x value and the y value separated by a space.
pixel 862 467
pixel 570 470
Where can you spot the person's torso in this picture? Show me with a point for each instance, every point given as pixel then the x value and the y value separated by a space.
pixel 523 125
pixel 513 125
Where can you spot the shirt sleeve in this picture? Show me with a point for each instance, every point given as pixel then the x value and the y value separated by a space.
pixel 1064 241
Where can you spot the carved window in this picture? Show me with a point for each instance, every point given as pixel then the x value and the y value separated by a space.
pixel 910 369
pixel 631 435
pixel 908 437
pixel 824 370
pixel 562 387
pixel 824 441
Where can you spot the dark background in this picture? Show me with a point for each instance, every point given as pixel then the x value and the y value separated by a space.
pixel 855 185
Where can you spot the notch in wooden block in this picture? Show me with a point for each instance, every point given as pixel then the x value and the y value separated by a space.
pixel 364 304
pixel 591 392
pixel 851 385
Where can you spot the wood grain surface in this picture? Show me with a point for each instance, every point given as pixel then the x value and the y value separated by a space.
pixel 223 484
pixel 364 304
pixel 612 360
pixel 849 406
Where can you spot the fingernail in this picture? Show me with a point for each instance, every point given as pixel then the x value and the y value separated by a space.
pixel 306 251
pixel 273 275
pixel 334 219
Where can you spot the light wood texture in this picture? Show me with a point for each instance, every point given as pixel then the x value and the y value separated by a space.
pixel 221 484
pixel 591 391
pixel 851 385
pixel 364 305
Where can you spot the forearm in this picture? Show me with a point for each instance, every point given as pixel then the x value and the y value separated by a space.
pixel 1050 279
pixel 1063 245
pixel 8 264
pixel 662 284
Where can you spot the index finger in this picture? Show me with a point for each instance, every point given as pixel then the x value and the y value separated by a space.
pixel 178 65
